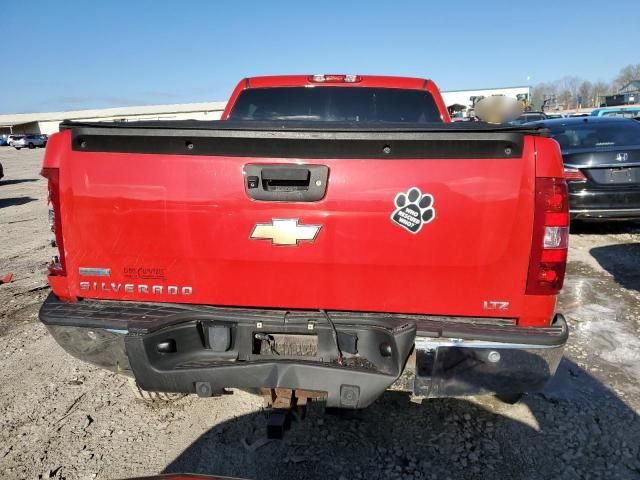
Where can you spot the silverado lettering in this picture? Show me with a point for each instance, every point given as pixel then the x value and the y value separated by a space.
pixel 132 288
pixel 303 250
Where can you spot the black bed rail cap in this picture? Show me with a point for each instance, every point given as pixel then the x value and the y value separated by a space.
pixel 320 140
pixel 307 126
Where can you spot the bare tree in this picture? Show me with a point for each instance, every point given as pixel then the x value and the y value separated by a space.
pixel 568 94
pixel 599 89
pixel 542 92
pixel 572 84
pixel 627 74
pixel 567 90
pixel 584 94
pixel 538 95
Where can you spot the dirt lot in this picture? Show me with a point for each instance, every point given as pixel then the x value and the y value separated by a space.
pixel 61 418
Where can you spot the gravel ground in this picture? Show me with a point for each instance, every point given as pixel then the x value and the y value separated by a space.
pixel 61 418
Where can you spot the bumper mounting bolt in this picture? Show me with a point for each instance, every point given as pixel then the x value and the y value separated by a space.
pixel 386 350
pixel 493 357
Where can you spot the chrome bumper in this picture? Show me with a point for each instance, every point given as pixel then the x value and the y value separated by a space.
pixel 449 367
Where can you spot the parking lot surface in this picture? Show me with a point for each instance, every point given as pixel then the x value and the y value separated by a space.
pixel 61 418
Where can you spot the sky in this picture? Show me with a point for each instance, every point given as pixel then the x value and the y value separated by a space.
pixel 67 55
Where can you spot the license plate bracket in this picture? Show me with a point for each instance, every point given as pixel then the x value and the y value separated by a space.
pixel 619 175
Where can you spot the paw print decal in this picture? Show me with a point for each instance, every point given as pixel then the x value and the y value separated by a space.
pixel 413 209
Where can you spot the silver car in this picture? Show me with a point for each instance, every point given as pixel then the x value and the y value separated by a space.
pixel 29 141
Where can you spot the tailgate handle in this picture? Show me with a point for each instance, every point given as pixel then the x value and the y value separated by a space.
pixel 286 183
pixel 293 177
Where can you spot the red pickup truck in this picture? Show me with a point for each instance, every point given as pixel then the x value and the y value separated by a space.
pixel 331 233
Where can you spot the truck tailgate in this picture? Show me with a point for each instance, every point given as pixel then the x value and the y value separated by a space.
pixel 147 217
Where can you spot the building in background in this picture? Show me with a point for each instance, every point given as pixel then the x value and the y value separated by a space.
pixel 627 95
pixel 48 122
pixel 461 102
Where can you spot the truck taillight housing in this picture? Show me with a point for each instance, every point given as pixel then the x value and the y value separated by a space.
pixel 550 242
pixel 57 264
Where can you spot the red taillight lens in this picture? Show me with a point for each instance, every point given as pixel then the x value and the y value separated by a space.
pixel 550 241
pixel 57 265
pixel 574 175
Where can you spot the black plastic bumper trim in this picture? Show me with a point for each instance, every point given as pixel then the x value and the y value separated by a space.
pixel 369 374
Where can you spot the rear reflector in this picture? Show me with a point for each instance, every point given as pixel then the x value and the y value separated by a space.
pixel 574 175
pixel 550 240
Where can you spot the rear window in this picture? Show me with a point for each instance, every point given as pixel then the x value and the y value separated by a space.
pixel 336 104
pixel 535 117
pixel 622 113
pixel 591 135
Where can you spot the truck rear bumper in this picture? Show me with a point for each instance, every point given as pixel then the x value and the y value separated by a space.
pixel 455 368
pixel 201 349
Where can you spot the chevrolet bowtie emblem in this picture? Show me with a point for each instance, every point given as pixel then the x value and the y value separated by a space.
pixel 285 231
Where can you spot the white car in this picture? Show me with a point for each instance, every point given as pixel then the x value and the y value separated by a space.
pixel 13 138
pixel 28 141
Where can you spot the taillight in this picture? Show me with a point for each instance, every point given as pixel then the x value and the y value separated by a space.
pixel 57 264
pixel 574 175
pixel 335 78
pixel 550 241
